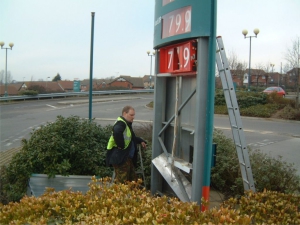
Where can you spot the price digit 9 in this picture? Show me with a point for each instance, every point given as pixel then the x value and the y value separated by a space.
pixel 187 18
pixel 186 56
pixel 178 22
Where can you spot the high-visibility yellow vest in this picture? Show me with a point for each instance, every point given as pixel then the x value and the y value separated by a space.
pixel 126 134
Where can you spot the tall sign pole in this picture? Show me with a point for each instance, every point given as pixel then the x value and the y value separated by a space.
pixel 185 44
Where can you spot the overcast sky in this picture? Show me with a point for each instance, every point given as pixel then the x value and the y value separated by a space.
pixel 53 36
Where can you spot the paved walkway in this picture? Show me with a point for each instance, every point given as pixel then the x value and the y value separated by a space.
pixel 6 156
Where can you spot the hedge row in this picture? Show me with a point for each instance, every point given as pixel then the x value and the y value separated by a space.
pixel 129 204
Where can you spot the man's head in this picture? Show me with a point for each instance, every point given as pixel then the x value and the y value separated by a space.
pixel 128 113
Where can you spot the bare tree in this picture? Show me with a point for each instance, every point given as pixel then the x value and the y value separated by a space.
pixel 285 77
pixel 3 77
pixel 292 57
pixel 236 66
pixel 259 74
pixel 9 77
pixel 266 68
pixel 232 60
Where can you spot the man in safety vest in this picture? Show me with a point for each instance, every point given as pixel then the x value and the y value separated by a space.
pixel 122 147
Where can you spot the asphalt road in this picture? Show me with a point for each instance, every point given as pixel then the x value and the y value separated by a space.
pixel 275 137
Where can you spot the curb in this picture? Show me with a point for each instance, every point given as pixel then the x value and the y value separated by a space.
pixel 75 102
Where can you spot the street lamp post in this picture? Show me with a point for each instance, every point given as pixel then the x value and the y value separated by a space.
pixel 272 66
pixel 245 32
pixel 153 54
pixel 10 47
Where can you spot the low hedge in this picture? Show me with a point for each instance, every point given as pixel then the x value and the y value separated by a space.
pixel 129 204
pixel 257 104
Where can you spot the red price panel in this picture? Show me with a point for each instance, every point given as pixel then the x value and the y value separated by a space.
pixel 178 58
pixel 177 22
pixel 164 2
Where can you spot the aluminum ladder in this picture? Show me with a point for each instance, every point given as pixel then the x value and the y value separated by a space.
pixel 234 116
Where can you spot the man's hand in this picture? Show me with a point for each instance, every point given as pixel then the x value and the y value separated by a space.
pixel 144 145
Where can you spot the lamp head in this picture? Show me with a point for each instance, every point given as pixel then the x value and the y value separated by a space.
pixel 256 31
pixel 153 53
pixel 11 44
pixel 148 52
pixel 1 43
pixel 245 32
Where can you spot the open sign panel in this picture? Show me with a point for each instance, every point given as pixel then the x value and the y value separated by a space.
pixel 178 58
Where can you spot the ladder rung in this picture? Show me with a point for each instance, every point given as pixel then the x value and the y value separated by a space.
pixel 246 181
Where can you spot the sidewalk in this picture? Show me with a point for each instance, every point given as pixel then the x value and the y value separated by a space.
pixel 215 199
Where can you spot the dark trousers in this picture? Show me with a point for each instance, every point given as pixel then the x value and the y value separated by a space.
pixel 125 172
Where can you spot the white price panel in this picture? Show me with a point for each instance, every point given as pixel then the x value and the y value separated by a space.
pixel 177 22
pixel 164 2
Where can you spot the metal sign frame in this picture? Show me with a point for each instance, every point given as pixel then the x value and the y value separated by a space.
pixel 173 91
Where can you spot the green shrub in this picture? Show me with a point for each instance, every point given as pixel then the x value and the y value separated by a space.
pixel 297 115
pixel 244 99
pixel 271 173
pixel 28 92
pixel 221 109
pixel 69 146
pixel 274 98
pixel 288 113
pixel 265 111
pixel 112 204
pixel 226 176
pixel 219 99
pixel 247 99
pixel 38 88
pixel 129 204
pixel 268 207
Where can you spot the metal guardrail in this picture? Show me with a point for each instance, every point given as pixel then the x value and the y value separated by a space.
pixel 72 94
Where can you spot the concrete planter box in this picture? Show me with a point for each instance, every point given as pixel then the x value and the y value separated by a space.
pixel 38 183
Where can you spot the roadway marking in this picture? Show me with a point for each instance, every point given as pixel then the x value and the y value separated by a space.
pixel 251 131
pixel 52 106
pixel 56 108
pixel 262 143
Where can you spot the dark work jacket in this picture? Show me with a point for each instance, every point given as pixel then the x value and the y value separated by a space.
pixel 118 155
